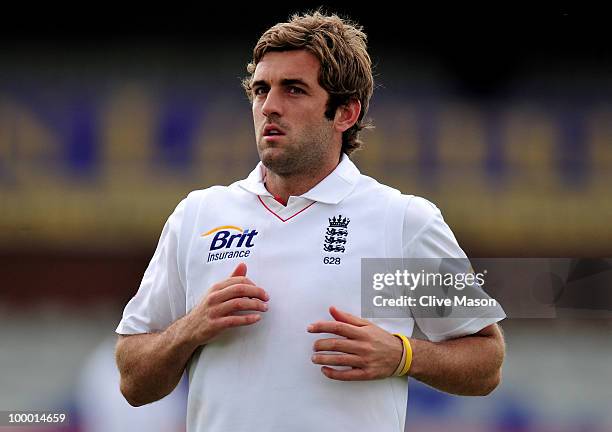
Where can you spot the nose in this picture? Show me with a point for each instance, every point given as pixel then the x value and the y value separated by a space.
pixel 273 103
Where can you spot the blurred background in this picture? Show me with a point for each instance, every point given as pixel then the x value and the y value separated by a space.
pixel 110 116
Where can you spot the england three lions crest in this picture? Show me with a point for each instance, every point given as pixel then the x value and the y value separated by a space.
pixel 336 234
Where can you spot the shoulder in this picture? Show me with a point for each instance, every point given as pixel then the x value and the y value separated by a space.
pixel 426 233
pixel 208 193
pixel 212 194
pixel 191 204
pixel 373 188
pixel 418 210
pixel 420 213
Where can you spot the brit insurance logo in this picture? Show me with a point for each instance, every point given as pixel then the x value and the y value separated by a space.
pixel 230 241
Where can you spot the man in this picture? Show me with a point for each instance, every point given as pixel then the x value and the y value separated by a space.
pixel 261 351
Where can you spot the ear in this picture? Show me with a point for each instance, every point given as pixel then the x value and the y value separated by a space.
pixel 347 115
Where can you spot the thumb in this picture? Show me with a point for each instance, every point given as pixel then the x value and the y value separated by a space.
pixel 240 270
pixel 346 317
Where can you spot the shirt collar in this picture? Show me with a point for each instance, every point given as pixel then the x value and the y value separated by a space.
pixel 331 190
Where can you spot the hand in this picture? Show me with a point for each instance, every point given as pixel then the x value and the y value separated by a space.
pixel 216 311
pixel 371 351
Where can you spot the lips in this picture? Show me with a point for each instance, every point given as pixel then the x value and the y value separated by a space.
pixel 272 130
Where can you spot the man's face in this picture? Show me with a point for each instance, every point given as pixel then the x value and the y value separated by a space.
pixel 293 136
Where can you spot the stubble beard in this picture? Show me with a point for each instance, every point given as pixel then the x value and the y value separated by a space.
pixel 303 156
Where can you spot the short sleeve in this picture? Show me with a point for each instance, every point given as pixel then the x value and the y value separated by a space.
pixel 426 235
pixel 160 299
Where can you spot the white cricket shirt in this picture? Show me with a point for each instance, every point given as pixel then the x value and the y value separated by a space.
pixel 260 377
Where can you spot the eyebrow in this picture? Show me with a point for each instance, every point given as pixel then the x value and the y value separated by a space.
pixel 284 82
pixel 294 81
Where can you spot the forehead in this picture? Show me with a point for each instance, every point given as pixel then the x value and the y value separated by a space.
pixel 295 64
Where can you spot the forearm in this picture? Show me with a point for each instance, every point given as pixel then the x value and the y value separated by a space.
pixel 469 365
pixel 151 365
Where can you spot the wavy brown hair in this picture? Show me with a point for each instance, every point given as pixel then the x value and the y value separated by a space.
pixel 346 67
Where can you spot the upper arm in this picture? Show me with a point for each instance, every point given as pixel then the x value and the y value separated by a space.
pixel 494 332
pixel 120 346
pixel 129 348
pixel 161 297
pixel 428 242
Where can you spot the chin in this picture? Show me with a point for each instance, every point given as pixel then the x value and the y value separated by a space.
pixel 271 158
pixel 277 161
pixel 271 153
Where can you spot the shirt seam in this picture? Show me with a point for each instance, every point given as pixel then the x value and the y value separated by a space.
pixel 417 234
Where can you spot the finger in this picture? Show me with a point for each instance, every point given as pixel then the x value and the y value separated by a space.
pixel 345 375
pixel 237 291
pixel 238 320
pixel 240 270
pixel 238 304
pixel 346 317
pixel 335 344
pixel 335 327
pixel 338 360
pixel 231 281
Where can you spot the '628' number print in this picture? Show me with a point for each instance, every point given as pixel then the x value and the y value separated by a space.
pixel 331 260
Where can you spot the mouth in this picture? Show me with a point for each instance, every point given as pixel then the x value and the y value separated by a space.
pixel 270 131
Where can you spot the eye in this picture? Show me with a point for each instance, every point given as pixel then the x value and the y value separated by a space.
pixel 258 91
pixel 295 90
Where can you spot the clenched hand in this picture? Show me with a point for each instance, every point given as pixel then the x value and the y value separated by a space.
pixel 217 310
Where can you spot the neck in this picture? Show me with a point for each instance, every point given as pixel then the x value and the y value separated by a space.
pixel 284 186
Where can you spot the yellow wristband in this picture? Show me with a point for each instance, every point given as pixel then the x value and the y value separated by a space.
pixel 407 352
pixel 402 361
